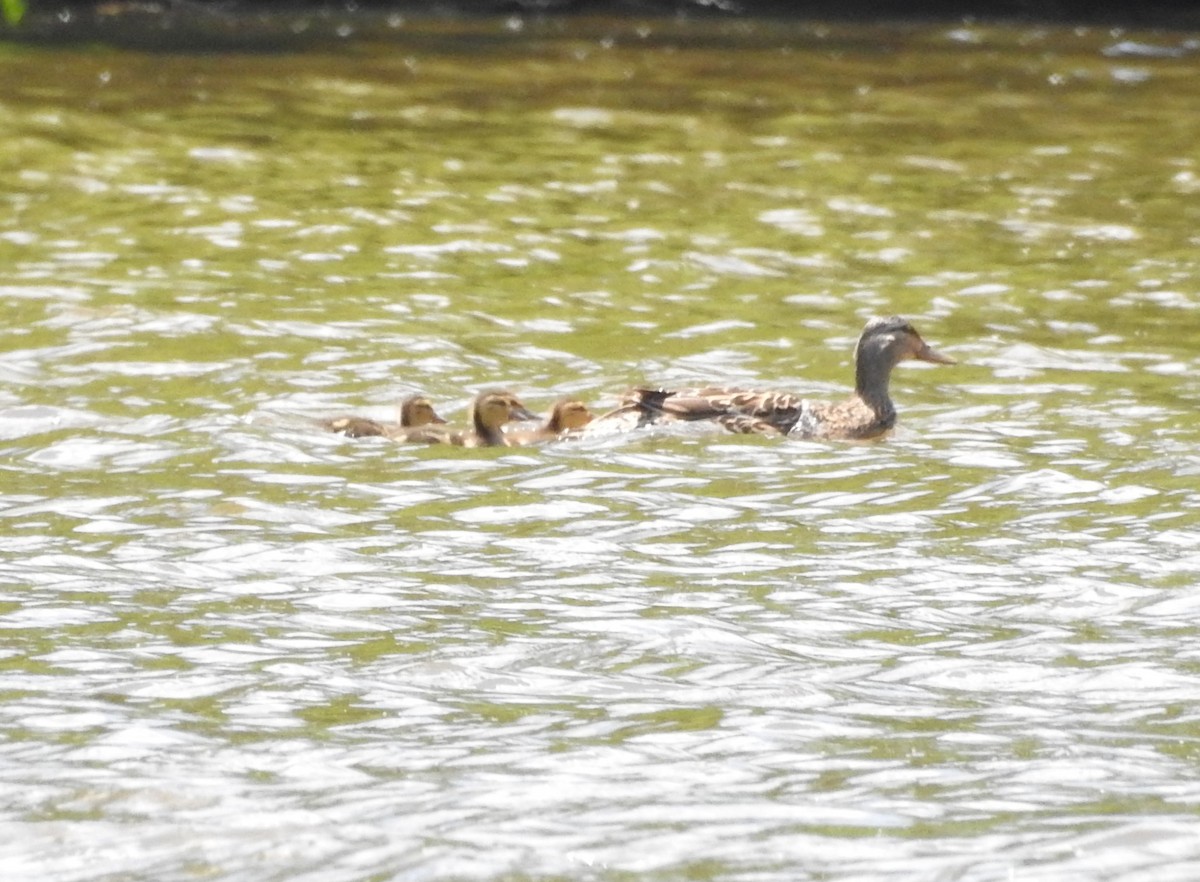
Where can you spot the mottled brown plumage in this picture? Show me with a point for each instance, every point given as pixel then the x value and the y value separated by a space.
pixel 868 413
pixel 638 409
pixel 488 414
pixel 413 411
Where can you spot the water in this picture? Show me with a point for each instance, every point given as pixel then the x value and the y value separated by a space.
pixel 237 648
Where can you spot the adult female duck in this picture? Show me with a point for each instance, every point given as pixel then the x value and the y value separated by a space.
pixel 868 413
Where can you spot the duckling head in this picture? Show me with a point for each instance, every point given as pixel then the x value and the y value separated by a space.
pixel 569 415
pixel 493 409
pixel 416 410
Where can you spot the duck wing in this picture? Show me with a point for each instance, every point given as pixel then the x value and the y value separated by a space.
pixel 740 424
pixel 768 407
pixel 638 408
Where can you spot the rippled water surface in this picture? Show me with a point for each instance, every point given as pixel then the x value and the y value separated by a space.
pixel 235 647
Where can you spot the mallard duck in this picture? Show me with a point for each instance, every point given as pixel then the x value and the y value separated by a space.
pixel 868 413
pixel 488 414
pixel 413 411
pixel 566 418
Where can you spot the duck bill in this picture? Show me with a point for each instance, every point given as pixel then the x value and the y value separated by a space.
pixel 521 412
pixel 928 353
pixel 437 419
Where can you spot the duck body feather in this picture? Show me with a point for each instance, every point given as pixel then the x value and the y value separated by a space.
pixel 355 426
pixel 778 412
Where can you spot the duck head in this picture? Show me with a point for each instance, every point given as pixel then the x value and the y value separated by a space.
pixel 883 344
pixel 568 415
pixel 416 410
pixel 892 340
pixel 492 410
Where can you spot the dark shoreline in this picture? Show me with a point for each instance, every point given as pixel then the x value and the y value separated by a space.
pixel 259 25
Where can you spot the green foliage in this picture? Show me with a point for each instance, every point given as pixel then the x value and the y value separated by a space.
pixel 12 11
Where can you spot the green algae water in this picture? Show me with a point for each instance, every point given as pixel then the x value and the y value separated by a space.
pixel 234 647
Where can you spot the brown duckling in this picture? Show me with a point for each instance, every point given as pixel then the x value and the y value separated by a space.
pixel 488 414
pixel 868 413
pixel 414 411
pixel 566 418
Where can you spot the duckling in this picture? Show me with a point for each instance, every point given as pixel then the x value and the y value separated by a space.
pixel 566 418
pixel 488 414
pixel 868 413
pixel 413 411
